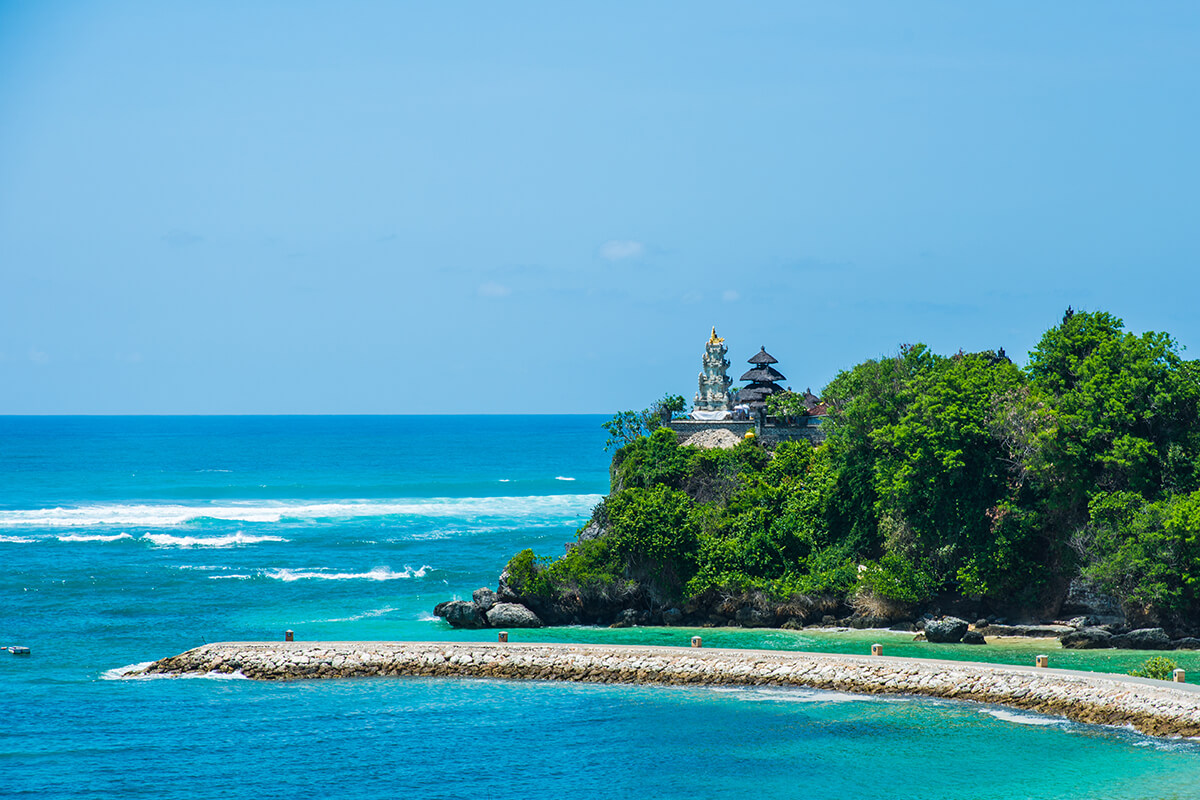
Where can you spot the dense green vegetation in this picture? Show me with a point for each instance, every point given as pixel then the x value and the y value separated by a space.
pixel 961 475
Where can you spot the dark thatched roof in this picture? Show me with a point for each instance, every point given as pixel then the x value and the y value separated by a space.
pixel 756 393
pixel 763 374
pixel 763 357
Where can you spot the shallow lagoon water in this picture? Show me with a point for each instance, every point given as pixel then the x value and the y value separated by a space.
pixel 127 539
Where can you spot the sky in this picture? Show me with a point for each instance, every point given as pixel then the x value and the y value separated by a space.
pixel 481 207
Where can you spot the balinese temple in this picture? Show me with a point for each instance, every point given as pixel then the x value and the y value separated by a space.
pixel 764 381
pixel 713 400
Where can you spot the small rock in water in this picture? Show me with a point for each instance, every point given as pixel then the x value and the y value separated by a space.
pixel 512 615
pixel 1087 639
pixel 485 598
pixel 1143 639
pixel 462 614
pixel 947 630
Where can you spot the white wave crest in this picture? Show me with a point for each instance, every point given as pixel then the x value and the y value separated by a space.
pixel 239 538
pixel 793 695
pixel 376 612
pixel 124 673
pixel 234 577
pixel 131 673
pixel 377 574
pixel 16 539
pixel 540 508
pixel 563 478
pixel 75 537
pixel 1023 718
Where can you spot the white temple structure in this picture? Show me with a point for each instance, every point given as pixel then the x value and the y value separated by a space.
pixel 714 401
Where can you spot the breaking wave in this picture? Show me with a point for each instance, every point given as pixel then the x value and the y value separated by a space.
pixel 76 537
pixel 289 575
pixel 541 509
pixel 239 538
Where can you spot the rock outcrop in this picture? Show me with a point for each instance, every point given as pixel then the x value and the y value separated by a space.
pixel 1143 639
pixel 487 609
pixel 1087 639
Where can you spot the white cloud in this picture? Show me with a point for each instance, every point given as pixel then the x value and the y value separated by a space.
pixel 617 249
pixel 38 356
pixel 493 289
pixel 730 296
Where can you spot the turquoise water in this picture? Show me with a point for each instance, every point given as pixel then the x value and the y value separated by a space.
pixel 127 539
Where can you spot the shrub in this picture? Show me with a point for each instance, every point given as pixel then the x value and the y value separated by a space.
pixel 1157 667
pixel 895 578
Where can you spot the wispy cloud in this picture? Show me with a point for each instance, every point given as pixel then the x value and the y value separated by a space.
pixel 730 296
pixel 179 238
pixel 493 289
pixel 38 356
pixel 619 249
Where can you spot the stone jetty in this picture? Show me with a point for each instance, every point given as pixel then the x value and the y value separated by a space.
pixel 1154 707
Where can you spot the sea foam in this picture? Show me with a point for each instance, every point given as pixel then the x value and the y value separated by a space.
pixel 377 574
pixel 239 538
pixel 539 509
pixel 75 537
pixel 1024 718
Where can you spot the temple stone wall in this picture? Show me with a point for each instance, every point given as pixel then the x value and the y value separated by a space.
pixel 772 433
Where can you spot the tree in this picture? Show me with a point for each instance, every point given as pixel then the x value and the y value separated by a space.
pixel 626 426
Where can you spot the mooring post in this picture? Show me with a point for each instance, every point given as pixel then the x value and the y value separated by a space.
pixel 1043 661
pixel 1179 676
pixel 288 636
pixel 504 636
pixel 876 649
pixel 696 641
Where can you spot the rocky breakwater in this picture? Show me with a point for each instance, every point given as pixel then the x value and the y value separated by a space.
pixel 1153 707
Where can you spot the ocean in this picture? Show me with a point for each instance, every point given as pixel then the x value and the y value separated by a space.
pixel 126 539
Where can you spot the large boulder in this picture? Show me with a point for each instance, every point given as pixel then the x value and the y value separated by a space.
pixel 512 615
pixel 947 630
pixel 485 598
pixel 1186 643
pixel 461 614
pixel 1143 639
pixel 626 619
pixel 751 617
pixel 672 616
pixel 1087 639
pixel 973 637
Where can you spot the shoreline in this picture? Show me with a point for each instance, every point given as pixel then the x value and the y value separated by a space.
pixel 1157 708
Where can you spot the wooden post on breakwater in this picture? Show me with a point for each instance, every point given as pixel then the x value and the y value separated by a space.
pixel 289 636
pixel 696 641
pixel 876 649
pixel 1042 661
pixel 1179 676
pixel 503 636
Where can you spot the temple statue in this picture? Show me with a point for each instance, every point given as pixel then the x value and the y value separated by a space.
pixel 713 399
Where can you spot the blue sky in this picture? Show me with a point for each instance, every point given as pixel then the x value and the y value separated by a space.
pixel 347 207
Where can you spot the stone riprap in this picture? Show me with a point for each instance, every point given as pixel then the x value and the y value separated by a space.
pixel 1154 707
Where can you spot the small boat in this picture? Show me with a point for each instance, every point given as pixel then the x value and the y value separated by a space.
pixel 18 650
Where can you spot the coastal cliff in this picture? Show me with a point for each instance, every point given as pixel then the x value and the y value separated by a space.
pixel 1153 707
pixel 965 485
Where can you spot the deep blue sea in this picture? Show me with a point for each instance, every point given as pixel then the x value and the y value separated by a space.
pixel 126 539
